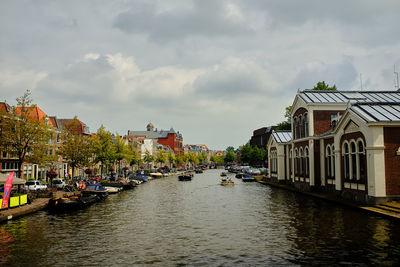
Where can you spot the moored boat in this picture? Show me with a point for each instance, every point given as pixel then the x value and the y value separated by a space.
pixel 248 178
pixel 95 189
pixel 223 174
pixel 71 203
pixel 239 175
pixel 185 177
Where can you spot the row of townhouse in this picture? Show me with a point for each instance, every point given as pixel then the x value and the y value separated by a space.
pixel 345 143
pixel 9 162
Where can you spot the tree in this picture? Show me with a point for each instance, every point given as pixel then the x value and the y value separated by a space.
pixel 229 157
pixel 171 159
pixel 121 150
pixel 322 86
pixel 103 147
pixel 161 157
pixel 256 157
pixel 21 134
pixel 286 125
pixel 148 158
pixel 230 149
pixel 202 157
pixel 245 153
pixel 76 148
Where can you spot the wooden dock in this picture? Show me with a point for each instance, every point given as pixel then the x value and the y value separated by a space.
pixel 36 205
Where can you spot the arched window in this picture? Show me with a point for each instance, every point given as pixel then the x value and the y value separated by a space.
pixel 306 155
pixel 295 127
pixel 300 126
pixel 346 161
pixel 353 160
pixel 306 125
pixel 296 163
pixel 361 161
pixel 328 162
pixel 290 162
pixel 301 162
pixel 333 162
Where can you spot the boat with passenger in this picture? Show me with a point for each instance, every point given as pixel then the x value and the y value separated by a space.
pixel 227 181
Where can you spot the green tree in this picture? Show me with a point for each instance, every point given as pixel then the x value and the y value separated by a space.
pixel 161 157
pixel 202 157
pixel 230 149
pixel 75 148
pixel 256 157
pixel 148 158
pixel 286 124
pixel 103 148
pixel 171 159
pixel 322 86
pixel 121 150
pixel 229 157
pixel 245 153
pixel 22 135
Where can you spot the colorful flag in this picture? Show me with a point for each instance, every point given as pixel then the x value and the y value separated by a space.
pixel 7 191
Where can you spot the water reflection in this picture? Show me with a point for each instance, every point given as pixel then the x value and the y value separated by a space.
pixel 166 222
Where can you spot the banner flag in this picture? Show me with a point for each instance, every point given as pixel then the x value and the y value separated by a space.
pixel 7 191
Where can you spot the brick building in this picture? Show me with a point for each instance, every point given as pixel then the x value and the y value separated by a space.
pixel 170 138
pixel 261 136
pixel 345 143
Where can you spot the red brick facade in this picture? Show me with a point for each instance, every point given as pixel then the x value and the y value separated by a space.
pixel 173 142
pixel 322 120
pixel 392 160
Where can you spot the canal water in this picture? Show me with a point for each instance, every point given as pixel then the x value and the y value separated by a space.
pixel 167 223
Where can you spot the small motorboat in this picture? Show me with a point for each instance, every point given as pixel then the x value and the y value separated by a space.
pixel 141 177
pixel 156 175
pixel 248 178
pixel 223 174
pixel 71 203
pixel 95 189
pixel 113 190
pixel 239 175
pixel 185 177
pixel 227 182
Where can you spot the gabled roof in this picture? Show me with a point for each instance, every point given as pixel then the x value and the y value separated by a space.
pixel 80 127
pixel 36 114
pixel 333 96
pixel 281 136
pixel 4 107
pixel 377 112
pixel 155 134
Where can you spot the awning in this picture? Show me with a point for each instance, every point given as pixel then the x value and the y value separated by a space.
pixel 3 178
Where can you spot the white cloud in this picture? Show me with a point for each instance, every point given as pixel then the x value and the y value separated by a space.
pixel 199 66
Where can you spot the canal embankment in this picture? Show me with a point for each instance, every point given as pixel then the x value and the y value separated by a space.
pixel 39 204
pixel 389 210
pixel 36 205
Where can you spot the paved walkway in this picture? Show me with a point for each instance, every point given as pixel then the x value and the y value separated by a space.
pixel 37 204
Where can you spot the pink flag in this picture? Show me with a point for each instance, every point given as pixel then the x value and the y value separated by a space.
pixel 7 190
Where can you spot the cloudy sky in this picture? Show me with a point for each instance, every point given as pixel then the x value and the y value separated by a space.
pixel 213 70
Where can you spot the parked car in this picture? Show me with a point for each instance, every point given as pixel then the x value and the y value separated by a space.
pixel 59 183
pixel 35 185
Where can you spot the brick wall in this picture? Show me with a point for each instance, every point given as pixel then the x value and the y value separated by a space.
pixel 392 161
pixel 322 120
